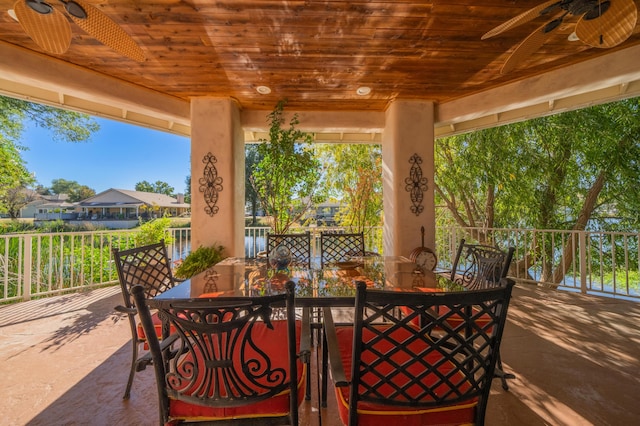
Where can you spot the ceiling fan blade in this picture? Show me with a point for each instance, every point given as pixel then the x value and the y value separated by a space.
pixel 49 30
pixel 527 16
pixel 614 26
pixel 529 45
pixel 103 29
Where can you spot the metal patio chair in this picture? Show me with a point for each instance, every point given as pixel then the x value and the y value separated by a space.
pixel 478 266
pixel 298 244
pixel 150 267
pixel 389 370
pixel 233 360
pixel 339 247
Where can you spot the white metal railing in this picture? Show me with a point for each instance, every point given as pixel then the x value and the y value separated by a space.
pixel 596 262
pixel 604 263
pixel 44 264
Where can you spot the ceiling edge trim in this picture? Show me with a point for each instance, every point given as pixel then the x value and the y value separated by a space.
pixel 589 76
pixel 21 66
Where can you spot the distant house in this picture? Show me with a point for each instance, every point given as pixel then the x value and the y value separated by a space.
pixel 114 204
pixel 49 207
pixel 325 213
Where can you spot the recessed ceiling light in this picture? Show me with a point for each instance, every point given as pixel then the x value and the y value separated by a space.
pixel 363 90
pixel 263 90
pixel 13 15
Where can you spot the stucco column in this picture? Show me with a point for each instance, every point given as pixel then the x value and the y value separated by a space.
pixel 407 173
pixel 217 175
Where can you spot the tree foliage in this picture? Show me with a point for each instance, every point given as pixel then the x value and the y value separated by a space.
pixel 159 187
pixel 287 177
pixel 353 174
pixel 64 126
pixel 252 158
pixel 72 188
pixel 187 189
pixel 567 171
pixel 15 198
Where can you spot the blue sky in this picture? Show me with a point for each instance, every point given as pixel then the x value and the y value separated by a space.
pixel 118 156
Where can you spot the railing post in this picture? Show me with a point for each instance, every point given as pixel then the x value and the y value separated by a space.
pixel 582 241
pixel 28 267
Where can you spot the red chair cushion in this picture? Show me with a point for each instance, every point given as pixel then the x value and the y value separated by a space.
pixel 375 414
pixel 157 323
pixel 454 319
pixel 274 343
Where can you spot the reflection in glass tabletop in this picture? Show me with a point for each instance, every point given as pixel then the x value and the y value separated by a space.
pixel 332 285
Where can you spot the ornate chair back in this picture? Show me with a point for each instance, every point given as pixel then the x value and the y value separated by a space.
pixel 298 244
pixel 438 372
pixel 229 357
pixel 338 247
pixel 148 266
pixel 480 266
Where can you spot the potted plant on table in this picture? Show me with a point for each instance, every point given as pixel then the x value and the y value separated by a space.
pixel 199 260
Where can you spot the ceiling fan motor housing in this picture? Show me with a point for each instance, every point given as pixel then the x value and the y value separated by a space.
pixel 75 9
pixel 40 6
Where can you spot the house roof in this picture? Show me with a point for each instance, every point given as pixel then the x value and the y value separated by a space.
pixel 63 204
pixel 124 197
pixel 56 197
pixel 317 55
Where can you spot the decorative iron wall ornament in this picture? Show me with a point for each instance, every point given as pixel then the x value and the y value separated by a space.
pixel 416 184
pixel 210 184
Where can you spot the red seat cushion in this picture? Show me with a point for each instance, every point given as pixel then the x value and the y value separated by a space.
pixel 454 319
pixel 375 414
pixel 157 324
pixel 274 343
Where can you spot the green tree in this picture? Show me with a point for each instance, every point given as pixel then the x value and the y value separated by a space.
pixel 16 198
pixel 566 171
pixel 159 187
pixel 64 126
pixel 187 189
pixel 72 188
pixel 252 158
pixel 287 178
pixel 14 176
pixel 353 173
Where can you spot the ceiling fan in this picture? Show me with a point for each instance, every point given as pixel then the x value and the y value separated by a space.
pixel 601 23
pixel 49 28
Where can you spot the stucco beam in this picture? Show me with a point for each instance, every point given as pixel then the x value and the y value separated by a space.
pixel 319 121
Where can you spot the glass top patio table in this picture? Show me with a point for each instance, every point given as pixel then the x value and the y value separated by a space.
pixel 332 285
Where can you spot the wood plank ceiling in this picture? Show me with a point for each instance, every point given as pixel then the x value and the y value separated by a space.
pixel 316 53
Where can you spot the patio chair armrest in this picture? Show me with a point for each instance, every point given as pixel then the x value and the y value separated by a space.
pixel 165 343
pixel 443 272
pixel 335 361
pixel 125 310
pixel 146 359
pixel 305 337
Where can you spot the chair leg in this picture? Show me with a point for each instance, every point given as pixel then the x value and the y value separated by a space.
pixel 132 372
pixel 307 392
pixel 316 333
pixel 500 373
pixel 325 371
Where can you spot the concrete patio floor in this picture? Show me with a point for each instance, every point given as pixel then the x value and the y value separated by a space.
pixel 64 361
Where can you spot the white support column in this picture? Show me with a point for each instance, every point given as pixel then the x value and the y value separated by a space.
pixel 408 141
pixel 217 175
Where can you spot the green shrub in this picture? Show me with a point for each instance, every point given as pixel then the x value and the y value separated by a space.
pixel 153 231
pixel 200 260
